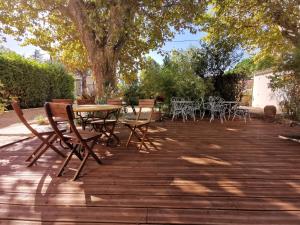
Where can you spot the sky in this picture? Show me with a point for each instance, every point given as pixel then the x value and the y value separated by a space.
pixel 182 41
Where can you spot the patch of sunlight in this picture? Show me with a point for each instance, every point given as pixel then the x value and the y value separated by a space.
pixel 205 160
pixel 190 186
pixel 214 146
pixel 4 162
pixel 46 183
pixel 295 186
pixel 108 153
pixel 144 151
pixel 286 206
pixel 157 129
pixel 157 143
pixel 170 139
pixel 232 129
pixel 96 199
pixel 232 188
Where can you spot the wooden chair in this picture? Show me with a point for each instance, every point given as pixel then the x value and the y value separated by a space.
pixel 77 141
pixel 44 133
pixel 63 100
pixel 138 127
pixel 107 125
pixel 85 101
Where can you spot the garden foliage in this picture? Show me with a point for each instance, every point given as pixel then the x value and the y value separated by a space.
pixel 32 82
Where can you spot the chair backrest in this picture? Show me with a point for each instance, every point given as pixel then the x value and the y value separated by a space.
pixel 115 101
pixel 19 112
pixel 85 101
pixel 64 111
pixel 177 99
pixel 53 111
pixel 63 100
pixel 146 103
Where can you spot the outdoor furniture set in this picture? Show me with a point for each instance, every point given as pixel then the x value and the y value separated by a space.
pixel 216 107
pixel 101 119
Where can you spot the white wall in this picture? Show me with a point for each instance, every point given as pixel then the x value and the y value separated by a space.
pixel 90 85
pixel 262 94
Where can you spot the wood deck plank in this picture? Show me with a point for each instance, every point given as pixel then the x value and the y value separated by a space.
pixel 201 173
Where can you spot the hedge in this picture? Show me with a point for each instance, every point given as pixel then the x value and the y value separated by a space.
pixel 33 82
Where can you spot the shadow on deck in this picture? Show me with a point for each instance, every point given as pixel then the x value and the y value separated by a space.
pixel 201 173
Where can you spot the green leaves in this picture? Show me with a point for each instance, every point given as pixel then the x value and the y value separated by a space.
pixel 255 24
pixel 33 82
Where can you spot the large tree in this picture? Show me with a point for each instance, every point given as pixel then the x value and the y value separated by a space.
pixel 114 32
pixel 273 26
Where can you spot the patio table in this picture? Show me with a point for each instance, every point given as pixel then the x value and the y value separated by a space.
pixel 91 110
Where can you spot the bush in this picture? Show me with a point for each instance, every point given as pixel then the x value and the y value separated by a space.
pixel 33 82
pixel 175 78
pixel 230 86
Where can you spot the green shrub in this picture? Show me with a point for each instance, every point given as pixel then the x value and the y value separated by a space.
pixel 173 79
pixel 33 82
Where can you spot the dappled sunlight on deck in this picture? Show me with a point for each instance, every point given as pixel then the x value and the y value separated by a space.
pixel 205 160
pixel 190 186
pixel 199 173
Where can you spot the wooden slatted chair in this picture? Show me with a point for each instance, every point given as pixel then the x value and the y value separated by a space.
pixel 63 100
pixel 138 127
pixel 44 133
pixel 85 101
pixel 77 141
pixel 107 125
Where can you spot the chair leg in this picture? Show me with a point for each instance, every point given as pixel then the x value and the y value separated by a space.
pixel 233 116
pixel 90 150
pixel 81 166
pixel 61 170
pixel 35 152
pixel 54 148
pixel 111 133
pixel 139 138
pixel 203 114
pixel 143 137
pixel 212 117
pixel 173 116
pixel 46 143
pixel 130 136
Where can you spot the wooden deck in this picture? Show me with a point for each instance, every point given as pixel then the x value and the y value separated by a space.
pixel 202 173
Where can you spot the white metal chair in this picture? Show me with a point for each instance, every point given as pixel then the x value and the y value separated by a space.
pixel 189 109
pixel 217 108
pixel 241 112
pixel 177 108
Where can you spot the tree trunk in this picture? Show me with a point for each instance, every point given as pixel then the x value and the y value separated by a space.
pixel 104 71
pixel 103 53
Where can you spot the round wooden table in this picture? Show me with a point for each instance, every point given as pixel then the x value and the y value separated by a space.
pixel 104 126
pixel 95 108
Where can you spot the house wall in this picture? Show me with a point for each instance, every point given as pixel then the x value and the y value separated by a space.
pixel 90 85
pixel 262 94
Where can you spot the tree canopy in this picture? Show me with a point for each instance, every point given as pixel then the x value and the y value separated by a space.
pixel 273 26
pixel 116 34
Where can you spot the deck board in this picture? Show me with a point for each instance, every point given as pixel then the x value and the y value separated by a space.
pixel 200 173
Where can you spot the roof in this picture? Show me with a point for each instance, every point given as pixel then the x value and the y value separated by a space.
pixel 263 72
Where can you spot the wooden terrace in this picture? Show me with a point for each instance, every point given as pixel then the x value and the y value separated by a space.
pixel 201 173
